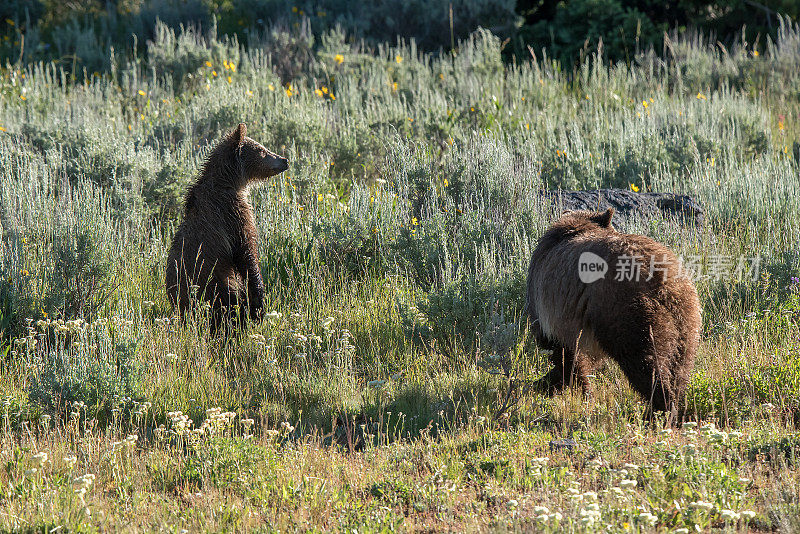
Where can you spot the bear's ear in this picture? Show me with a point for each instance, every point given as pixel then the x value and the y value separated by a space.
pixel 239 134
pixel 604 219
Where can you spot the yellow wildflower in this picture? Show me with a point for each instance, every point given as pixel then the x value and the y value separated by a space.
pixel 141 93
pixel 701 96
pixel 634 188
pixel 338 58
pixel 271 87
pixel 398 59
pixel 318 92
pixel 208 63
pixel 324 90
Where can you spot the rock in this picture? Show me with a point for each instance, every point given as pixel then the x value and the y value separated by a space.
pixel 562 444
pixel 626 203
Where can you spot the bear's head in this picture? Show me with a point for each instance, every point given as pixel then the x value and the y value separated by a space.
pixel 257 163
pixel 237 161
pixel 574 222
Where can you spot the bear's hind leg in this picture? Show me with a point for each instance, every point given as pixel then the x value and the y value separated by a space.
pixel 227 307
pixel 652 381
pixel 568 370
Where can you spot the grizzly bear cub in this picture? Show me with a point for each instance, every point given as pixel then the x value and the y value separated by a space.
pixel 214 254
pixel 594 292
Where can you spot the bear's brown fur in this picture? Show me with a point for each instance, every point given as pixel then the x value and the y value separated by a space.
pixel 650 327
pixel 216 246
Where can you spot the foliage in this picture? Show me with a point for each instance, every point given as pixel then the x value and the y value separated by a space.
pixel 568 31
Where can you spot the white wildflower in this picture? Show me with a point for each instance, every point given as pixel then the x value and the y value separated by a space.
pixel 647 519
pixel 701 505
pixel 728 515
pixel 70 461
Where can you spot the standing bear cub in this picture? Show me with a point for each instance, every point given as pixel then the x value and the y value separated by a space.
pixel 594 292
pixel 214 254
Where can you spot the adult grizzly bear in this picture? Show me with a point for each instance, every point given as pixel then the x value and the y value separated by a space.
pixel 214 254
pixel 594 292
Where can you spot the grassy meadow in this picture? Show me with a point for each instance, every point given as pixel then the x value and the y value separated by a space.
pixel 394 251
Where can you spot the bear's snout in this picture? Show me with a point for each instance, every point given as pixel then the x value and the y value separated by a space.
pixel 280 164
